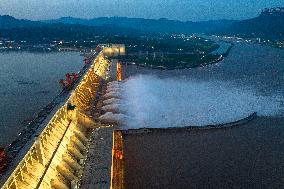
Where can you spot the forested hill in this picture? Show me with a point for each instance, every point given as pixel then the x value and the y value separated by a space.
pixel 268 25
pixel 8 22
pixel 35 31
pixel 162 25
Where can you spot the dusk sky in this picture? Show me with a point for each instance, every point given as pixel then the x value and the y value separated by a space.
pixel 194 10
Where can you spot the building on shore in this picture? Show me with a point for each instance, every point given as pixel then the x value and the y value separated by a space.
pixel 113 49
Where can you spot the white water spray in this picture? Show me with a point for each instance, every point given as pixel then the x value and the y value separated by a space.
pixel 148 101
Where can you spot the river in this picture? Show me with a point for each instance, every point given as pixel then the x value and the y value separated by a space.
pixel 28 81
pixel 250 79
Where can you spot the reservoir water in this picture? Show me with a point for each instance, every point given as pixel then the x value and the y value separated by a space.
pixel 28 81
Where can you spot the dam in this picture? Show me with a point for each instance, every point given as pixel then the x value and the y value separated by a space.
pixel 58 152
pixel 71 148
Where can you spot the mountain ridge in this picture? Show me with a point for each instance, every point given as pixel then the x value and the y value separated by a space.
pixel 7 22
pixel 269 24
pixel 149 25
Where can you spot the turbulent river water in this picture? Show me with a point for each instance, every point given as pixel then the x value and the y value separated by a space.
pixel 28 81
pixel 250 79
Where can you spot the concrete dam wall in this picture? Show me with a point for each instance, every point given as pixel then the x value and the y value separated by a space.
pixel 55 156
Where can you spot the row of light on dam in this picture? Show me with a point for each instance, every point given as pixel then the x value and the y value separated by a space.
pixel 85 91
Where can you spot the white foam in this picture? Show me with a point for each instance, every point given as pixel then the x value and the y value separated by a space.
pixel 113 94
pixel 115 108
pixel 113 84
pixel 112 101
pixel 155 102
pixel 113 118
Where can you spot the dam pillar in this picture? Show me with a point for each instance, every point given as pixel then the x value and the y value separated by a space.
pixel 81 136
pixel 79 144
pixel 39 149
pixel 57 184
pixel 71 162
pixel 66 171
pixel 73 150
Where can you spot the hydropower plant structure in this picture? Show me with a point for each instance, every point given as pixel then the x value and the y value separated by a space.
pixel 70 149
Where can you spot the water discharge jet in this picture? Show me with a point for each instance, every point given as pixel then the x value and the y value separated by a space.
pixel 114 108
pixel 111 118
pixel 112 101
pixel 112 95
pixel 172 102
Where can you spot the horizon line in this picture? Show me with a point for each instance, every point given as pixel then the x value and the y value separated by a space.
pixel 161 18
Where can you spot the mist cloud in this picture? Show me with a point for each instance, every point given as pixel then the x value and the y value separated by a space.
pixel 148 101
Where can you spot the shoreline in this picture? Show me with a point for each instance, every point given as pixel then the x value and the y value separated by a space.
pixel 160 67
